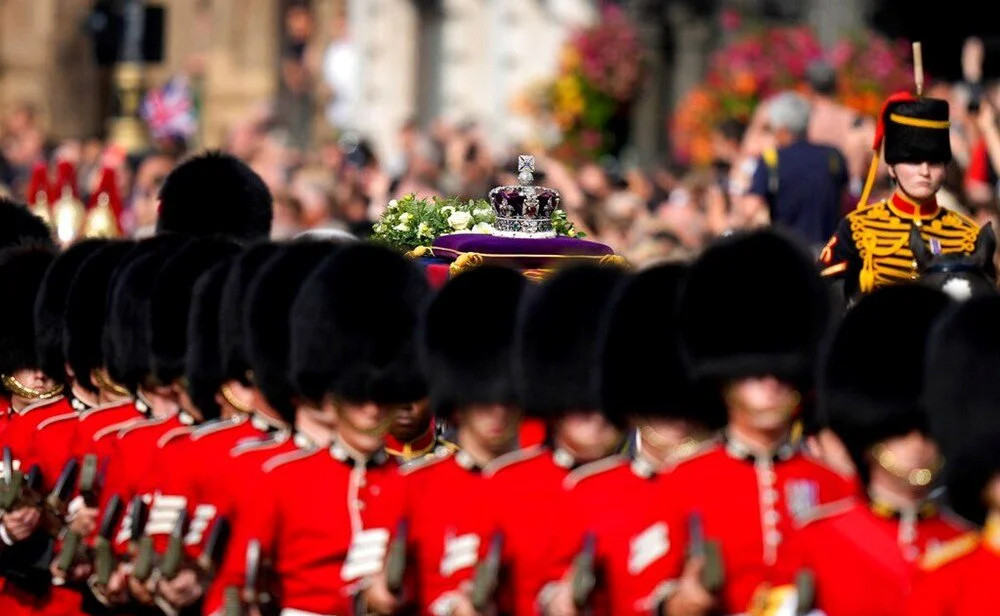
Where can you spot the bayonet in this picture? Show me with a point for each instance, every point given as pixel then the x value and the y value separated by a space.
pixel 583 580
pixel 395 564
pixel 488 574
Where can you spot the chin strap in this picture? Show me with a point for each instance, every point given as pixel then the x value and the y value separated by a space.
pixel 19 389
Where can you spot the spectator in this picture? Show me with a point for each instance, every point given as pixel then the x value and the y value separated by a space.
pixel 798 185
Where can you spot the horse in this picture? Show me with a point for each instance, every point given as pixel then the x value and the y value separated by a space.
pixel 962 276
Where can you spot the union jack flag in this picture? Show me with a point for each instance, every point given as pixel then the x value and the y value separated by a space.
pixel 169 110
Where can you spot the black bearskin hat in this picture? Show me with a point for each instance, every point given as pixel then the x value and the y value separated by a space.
pixel 266 320
pixel 232 342
pixel 19 227
pixel 215 194
pixel 642 370
pixel 466 367
pixel 86 310
pixel 50 306
pixel 21 272
pixel 752 305
pixel 354 328
pixel 127 354
pixel 170 303
pixel 962 398
pixel 867 397
pixel 557 341
pixel 203 358
pixel 915 130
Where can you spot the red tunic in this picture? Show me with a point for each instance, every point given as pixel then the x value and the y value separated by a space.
pixel 960 578
pixel 20 433
pixel 523 488
pixel 324 522
pixel 614 500
pixel 864 562
pixel 769 493
pixel 445 533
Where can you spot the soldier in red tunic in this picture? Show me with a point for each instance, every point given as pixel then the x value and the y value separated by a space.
pixel 324 518
pixel 860 555
pixel 556 359
pixel 471 384
pixel 961 395
pixel 752 315
pixel 612 502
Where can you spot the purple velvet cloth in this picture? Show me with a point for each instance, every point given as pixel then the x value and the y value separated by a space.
pixel 537 249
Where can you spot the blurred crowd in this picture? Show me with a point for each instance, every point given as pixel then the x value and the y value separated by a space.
pixel 324 175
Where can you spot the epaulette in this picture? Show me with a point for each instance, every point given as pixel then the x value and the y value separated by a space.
pixel 514 457
pixel 214 427
pixel 56 418
pixel 253 443
pixel 285 458
pixel 172 434
pixel 593 468
pixel 38 405
pixel 100 408
pixel 143 423
pixel 949 551
pixel 825 511
pixel 439 455
pixel 709 446
pixel 452 447
pixel 112 429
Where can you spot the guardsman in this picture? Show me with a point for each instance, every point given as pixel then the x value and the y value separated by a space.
pixel 871 247
pixel 761 366
pixel 961 396
pixel 267 328
pixel 33 394
pixel 861 554
pixel 622 538
pixel 557 350
pixel 325 518
pixel 470 383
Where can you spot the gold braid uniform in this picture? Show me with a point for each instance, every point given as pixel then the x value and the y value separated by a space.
pixel 871 247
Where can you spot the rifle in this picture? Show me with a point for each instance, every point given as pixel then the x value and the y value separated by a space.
pixel 254 592
pixel 173 556
pixel 104 560
pixel 583 579
pixel 395 564
pixel 805 591
pixel 712 575
pixel 57 502
pixel 10 490
pixel 142 544
pixel 487 578
pixel 215 548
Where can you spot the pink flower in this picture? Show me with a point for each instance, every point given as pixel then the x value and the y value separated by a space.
pixel 730 20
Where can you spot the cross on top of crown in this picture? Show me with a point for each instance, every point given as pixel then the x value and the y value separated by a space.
pixel 525 169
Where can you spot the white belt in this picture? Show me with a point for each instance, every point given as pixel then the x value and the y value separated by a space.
pixel 291 611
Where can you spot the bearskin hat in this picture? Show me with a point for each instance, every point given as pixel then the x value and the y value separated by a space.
pixel 232 342
pixel 86 310
pixel 50 306
pixel 170 303
pixel 266 320
pixel 914 130
pixel 21 272
pixel 203 358
pixel 961 391
pixel 557 341
pixel 215 194
pixel 465 367
pixel 867 397
pixel 642 370
pixel 126 341
pixel 754 304
pixel 354 327
pixel 18 226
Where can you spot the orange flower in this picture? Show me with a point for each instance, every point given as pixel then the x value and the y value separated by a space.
pixel 744 83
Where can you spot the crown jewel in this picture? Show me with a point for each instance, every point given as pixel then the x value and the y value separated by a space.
pixel 524 210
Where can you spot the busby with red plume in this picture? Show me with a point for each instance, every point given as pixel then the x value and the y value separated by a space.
pixel 104 208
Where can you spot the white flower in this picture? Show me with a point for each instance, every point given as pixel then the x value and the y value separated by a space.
pixel 405 217
pixel 402 227
pixel 459 221
pixel 393 204
pixel 483 227
pixel 447 210
pixel 482 212
pixel 424 230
